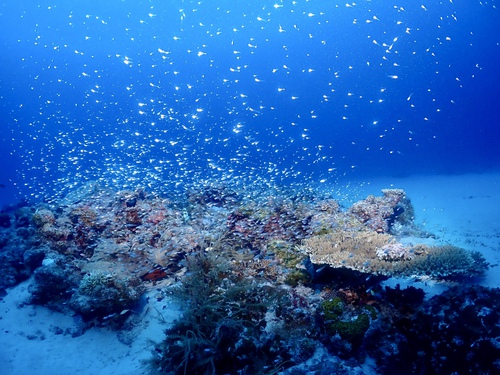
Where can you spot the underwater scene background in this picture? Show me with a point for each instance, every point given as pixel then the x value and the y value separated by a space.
pixel 172 92
pixel 249 187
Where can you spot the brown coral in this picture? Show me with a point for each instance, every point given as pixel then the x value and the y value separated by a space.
pixel 357 250
pixel 350 249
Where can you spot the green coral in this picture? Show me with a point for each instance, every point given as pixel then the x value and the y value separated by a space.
pixel 337 321
pixel 353 330
pixel 291 259
pixel 372 311
pixel 286 253
pixel 276 246
pixel 332 309
pixel 295 278
pixel 322 231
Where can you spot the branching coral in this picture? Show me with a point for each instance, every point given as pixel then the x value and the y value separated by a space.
pixel 446 261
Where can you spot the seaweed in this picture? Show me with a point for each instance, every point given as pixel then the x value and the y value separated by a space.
pixel 222 328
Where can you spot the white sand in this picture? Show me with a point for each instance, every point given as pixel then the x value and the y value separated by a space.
pixel 462 210
pixel 29 345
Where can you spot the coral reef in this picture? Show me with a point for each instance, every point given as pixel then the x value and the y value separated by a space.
pixel 270 280
pixel 224 327
pixel 452 333
pixel 254 225
pixel 214 194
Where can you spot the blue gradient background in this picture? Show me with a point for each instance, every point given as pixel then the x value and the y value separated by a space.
pixel 165 94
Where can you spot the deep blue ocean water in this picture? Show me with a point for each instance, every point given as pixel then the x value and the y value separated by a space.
pixel 167 93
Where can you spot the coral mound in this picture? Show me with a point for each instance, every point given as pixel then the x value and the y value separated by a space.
pixel 244 266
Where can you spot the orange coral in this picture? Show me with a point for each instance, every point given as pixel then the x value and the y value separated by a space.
pixel 155 275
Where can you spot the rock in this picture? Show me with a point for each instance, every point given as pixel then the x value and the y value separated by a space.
pixel 5 220
pixel 43 217
pixel 23 233
pixel 12 270
pixel 33 258
pixel 4 240
pixel 55 282
pixel 23 216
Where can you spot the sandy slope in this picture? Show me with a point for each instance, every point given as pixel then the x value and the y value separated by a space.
pixel 463 210
pixel 31 342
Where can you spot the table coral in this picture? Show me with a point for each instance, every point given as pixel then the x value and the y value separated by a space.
pixel 394 251
pixel 380 254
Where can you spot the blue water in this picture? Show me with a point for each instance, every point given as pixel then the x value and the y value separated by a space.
pixel 164 93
